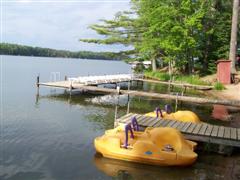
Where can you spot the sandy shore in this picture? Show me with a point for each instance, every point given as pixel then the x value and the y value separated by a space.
pixel 232 92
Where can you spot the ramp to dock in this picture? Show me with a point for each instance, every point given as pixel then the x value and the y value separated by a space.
pixel 202 132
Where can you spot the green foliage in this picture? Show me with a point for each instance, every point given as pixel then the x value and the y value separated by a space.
pixel 219 86
pixel 14 49
pixel 139 68
pixel 191 79
pixel 191 35
pixel 157 75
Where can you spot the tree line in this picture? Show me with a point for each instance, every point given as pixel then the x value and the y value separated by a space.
pixel 186 36
pixel 15 49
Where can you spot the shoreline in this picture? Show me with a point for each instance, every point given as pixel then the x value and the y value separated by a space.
pixel 61 57
pixel 232 92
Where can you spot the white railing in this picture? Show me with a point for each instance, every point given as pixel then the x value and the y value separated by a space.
pixel 105 78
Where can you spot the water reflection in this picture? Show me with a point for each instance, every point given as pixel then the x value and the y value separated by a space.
pixel 141 105
pixel 220 112
pixel 208 166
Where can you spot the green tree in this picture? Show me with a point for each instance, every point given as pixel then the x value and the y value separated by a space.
pixel 189 35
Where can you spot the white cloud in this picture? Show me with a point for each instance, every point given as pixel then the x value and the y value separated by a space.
pixel 56 25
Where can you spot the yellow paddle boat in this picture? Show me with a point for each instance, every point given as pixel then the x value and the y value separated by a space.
pixel 185 116
pixel 155 146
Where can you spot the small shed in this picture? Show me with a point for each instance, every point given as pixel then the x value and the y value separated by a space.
pixel 224 71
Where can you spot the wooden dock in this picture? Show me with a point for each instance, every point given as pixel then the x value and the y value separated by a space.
pixel 202 132
pixel 94 89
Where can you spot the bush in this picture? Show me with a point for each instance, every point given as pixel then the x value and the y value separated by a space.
pixel 219 86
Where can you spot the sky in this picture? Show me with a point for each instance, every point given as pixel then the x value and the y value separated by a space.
pixel 57 24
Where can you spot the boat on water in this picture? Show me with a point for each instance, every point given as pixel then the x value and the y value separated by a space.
pixel 184 116
pixel 155 146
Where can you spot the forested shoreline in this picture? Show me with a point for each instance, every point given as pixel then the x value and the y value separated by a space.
pixel 22 50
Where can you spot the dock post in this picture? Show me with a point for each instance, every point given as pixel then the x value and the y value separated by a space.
pixel 115 118
pixel 70 87
pixel 128 105
pixel 118 89
pixel 176 103
pixel 65 78
pixel 37 83
pixel 116 112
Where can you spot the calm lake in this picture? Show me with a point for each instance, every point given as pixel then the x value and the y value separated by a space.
pixel 50 135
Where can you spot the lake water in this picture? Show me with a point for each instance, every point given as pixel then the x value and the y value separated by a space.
pixel 50 135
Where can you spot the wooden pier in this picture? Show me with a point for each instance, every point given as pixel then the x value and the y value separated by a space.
pixel 94 89
pixel 202 132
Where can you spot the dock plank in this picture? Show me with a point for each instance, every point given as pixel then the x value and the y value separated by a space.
pixel 165 123
pixel 233 133
pixel 179 127
pixel 147 121
pixel 176 124
pixel 208 130
pixel 203 129
pixel 185 127
pixel 227 133
pixel 128 120
pixel 170 123
pixel 123 118
pixel 153 121
pixel 215 131
pixel 159 124
pixel 141 119
pixel 197 128
pixel 221 131
pixel 191 127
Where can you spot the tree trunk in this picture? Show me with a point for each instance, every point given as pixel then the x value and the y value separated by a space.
pixel 154 66
pixel 233 43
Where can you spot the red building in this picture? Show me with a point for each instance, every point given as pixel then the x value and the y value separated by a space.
pixel 224 71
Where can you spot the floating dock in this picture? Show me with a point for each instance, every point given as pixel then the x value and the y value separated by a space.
pixel 201 132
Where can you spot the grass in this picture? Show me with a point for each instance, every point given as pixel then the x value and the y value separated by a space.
pixel 219 86
pixel 194 79
pixel 157 75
